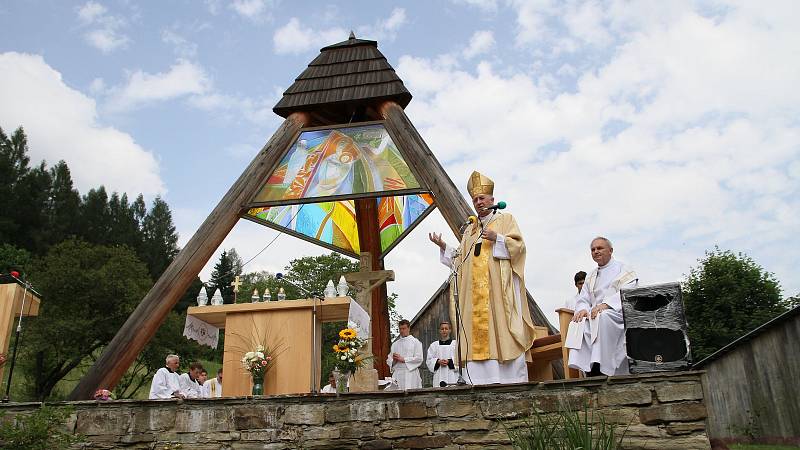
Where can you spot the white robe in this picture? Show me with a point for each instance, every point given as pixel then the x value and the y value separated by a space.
pixel 603 286
pixel 407 373
pixel 449 373
pixel 165 384
pixel 491 371
pixel 190 388
pixel 212 388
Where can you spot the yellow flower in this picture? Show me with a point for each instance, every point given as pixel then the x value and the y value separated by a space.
pixel 336 348
pixel 347 333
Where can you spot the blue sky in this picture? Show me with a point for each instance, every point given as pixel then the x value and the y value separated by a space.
pixel 669 127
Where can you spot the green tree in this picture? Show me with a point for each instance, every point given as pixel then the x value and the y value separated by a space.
pixel 64 202
pixel 312 273
pixel 262 280
pixel 13 258
pixel 726 296
pixel 160 238
pixel 89 291
pixel 95 217
pixel 223 275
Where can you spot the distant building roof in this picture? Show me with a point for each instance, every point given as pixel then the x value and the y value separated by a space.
pixel 749 336
pixel 351 73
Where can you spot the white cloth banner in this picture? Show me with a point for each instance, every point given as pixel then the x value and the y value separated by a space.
pixel 358 319
pixel 202 332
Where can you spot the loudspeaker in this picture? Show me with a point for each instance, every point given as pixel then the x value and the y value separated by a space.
pixel 656 332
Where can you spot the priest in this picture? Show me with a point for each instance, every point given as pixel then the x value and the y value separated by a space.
pixel 189 383
pixel 213 387
pixel 166 383
pixel 599 300
pixel 440 358
pixel 496 330
pixel 405 358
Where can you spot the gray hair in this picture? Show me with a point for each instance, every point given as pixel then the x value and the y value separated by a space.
pixel 601 238
pixel 170 357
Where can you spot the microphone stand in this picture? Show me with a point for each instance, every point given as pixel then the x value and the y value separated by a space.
pixel 27 287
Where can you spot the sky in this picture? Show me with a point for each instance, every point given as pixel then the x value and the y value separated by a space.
pixel 668 127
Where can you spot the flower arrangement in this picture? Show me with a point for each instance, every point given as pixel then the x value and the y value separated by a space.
pixel 348 357
pixel 258 362
pixel 103 395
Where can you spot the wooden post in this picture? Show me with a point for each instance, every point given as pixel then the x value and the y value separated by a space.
pixel 145 320
pixel 369 240
pixel 448 199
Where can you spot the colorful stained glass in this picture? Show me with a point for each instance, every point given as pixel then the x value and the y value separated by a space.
pixel 333 224
pixel 338 162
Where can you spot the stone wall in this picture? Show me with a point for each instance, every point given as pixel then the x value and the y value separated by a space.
pixel 660 411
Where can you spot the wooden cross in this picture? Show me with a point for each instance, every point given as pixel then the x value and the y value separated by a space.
pixel 364 281
pixel 236 283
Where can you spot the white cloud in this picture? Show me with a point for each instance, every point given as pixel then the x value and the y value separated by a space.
pixel 255 10
pixel 480 42
pixel 485 5
pixel 182 79
pixel 62 123
pixel 684 137
pixel 104 29
pixel 296 38
pixel 91 11
pixel 182 46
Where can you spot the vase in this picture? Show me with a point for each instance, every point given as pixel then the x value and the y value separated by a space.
pixel 258 385
pixel 341 382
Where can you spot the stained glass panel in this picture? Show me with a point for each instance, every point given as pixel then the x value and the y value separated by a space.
pixel 349 161
pixel 333 224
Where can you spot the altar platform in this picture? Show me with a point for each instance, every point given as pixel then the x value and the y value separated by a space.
pixel 656 411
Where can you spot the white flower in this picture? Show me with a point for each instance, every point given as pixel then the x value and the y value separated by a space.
pixel 350 360
pixel 344 358
pixel 260 355
pixel 250 355
pixel 260 348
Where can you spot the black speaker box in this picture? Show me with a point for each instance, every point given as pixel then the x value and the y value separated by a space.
pixel 656 332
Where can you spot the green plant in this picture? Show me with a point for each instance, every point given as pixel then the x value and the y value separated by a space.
pixel 42 429
pixel 567 429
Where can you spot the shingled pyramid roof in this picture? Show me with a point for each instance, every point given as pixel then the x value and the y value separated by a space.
pixel 346 75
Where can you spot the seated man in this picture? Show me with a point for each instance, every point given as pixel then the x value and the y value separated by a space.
pixel 440 358
pixel 600 300
pixel 166 383
pixel 188 381
pixel 213 387
pixel 405 358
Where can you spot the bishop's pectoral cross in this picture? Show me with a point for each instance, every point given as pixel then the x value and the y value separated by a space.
pixel 236 283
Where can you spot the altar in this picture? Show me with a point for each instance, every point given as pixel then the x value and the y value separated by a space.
pixel 289 325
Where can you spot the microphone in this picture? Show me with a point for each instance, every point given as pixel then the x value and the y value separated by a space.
pixel 498 205
pixel 470 219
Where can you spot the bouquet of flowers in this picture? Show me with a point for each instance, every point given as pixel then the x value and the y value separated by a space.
pixel 348 357
pixel 259 361
pixel 103 395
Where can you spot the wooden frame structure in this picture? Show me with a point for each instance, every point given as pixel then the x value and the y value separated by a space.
pixel 349 82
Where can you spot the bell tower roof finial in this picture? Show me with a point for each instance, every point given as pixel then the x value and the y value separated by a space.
pixel 352 35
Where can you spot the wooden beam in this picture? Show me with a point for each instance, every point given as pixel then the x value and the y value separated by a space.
pixel 145 320
pixel 369 240
pixel 425 165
